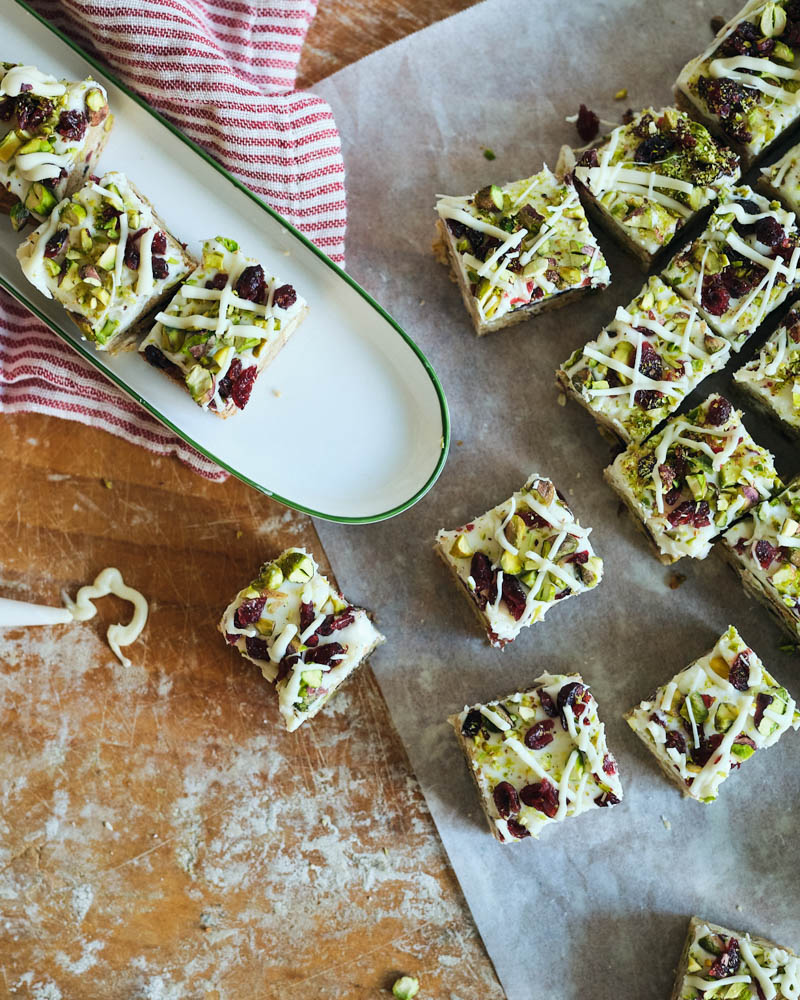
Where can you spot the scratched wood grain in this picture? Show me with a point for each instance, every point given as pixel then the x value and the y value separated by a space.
pixel 161 835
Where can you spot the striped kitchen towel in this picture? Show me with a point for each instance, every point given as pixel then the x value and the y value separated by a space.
pixel 223 71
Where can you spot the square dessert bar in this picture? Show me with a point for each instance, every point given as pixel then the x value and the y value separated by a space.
pixel 744 85
pixel 107 257
pixel 519 249
pixel 53 132
pixel 782 180
pixel 519 559
pixel 729 965
pixel 538 756
pixel 687 483
pixel 772 379
pixel 652 176
pixel 226 323
pixel 300 632
pixel 644 363
pixel 764 549
pixel 713 716
pixel 742 266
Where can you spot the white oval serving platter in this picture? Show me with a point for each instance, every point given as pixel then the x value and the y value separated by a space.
pixel 350 423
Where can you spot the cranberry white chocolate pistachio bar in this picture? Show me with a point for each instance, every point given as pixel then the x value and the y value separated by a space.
pixel 782 179
pixel 519 249
pixel 713 716
pixel 53 132
pixel 538 756
pixel 106 256
pixel 644 363
pixel 772 378
pixel 226 323
pixel 687 483
pixel 745 86
pixel 300 632
pixel 764 549
pixel 721 964
pixel 742 267
pixel 519 559
pixel 651 176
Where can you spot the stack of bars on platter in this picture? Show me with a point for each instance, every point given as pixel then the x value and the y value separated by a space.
pixel 101 250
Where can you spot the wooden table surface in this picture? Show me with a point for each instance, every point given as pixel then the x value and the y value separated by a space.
pixel 161 835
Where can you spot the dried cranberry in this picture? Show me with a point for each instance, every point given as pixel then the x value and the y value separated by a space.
pixel 548 704
pixel 702 755
pixel 249 611
pixel 728 962
pixel 56 243
pixel 606 799
pixel 228 379
pixel 306 614
pixel 158 360
pixel 284 297
pixel 542 795
pixel 506 799
pixel 572 695
pixel 481 572
pixel 514 596
pixel 243 386
pixel 159 244
pixel 517 830
pixel 72 125
pixel 334 623
pixel 588 124
pixel 742 277
pixel 131 257
pixel 250 284
pixel 160 268
pixel 539 736
pixel 763 701
pixel 702 515
pixel 471 725
pixel 741 41
pixel 589 158
pixel 770 232
pixel 653 148
pixel 287 664
pixel 715 297
pixel 609 764
pixel 458 229
pixel 675 741
pixel 682 514
pixel 256 647
pixel 764 552
pixel 728 99
pixel 219 281
pixel 719 412
pixel 32 111
pixel 324 654
pixel 648 399
pixel 739 674
pixel 650 363
pixel 532 519
pixel 659 719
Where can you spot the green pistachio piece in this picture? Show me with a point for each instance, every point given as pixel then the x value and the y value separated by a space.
pixel 9 145
pixel 271 576
pixel 297 567
pixel 107 257
pixel 95 100
pixel 460 548
pixel 40 199
pixel 230 245
pixel 199 383
pixel 489 199
pixel 311 678
pixel 106 330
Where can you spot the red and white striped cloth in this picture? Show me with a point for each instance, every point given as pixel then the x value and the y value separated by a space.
pixel 223 71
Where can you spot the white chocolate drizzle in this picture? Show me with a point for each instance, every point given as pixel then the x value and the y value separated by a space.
pixel 110 581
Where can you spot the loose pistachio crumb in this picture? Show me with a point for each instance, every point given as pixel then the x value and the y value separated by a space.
pixel 789 647
pixel 107 483
pixel 621 94
pixel 562 399
pixel 239 534
pixel 489 154
pixel 459 443
pixel 676 580
pixel 666 822
pixel 405 988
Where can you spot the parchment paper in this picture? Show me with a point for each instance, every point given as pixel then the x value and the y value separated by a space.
pixel 599 906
